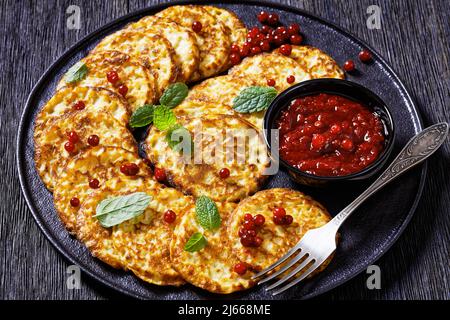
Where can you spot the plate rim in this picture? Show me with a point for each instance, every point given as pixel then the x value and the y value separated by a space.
pixel 20 162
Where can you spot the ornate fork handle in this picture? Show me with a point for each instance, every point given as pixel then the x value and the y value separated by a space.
pixel 420 147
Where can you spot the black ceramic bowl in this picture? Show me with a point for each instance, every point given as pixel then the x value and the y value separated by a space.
pixel 343 88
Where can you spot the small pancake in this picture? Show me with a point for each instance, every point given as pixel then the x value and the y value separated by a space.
pixel 267 66
pixel 95 99
pixel 277 239
pixel 234 27
pixel 223 90
pixel 102 163
pixel 139 80
pixel 316 62
pixel 210 268
pixel 212 41
pixel 153 49
pixel 183 41
pixel 140 244
pixel 215 148
pixel 50 155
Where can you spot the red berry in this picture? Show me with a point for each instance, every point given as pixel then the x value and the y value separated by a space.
pixel 278 220
pixel 240 268
pixel 335 129
pixel 251 233
pixel 73 137
pixel 279 212
pixel 123 89
pixel 259 220
pixel 74 202
pixel 245 50
pixel 278 40
pixel 249 225
pixel 169 216
pixel 260 37
pixel 286 49
pixel 69 146
pixel 349 66
pixel 288 220
pixel 296 39
pixel 280 30
pixel 224 173
pixel 257 241
pixel 234 48
pixel 248 217
pixel 246 240
pixel 365 56
pixel 253 32
pixel 290 79
pixel 255 51
pixel 94 183
pixel 235 59
pixel 265 29
pixel 112 76
pixel 129 169
pixel 265 45
pixel 270 38
pixel 93 140
pixel 271 82
pixel 293 29
pixel 347 144
pixel 273 19
pixel 79 105
pixel 242 231
pixel 160 175
pixel 317 141
pixel 263 16
pixel 197 26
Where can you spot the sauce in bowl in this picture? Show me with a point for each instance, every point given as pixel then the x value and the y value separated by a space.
pixel 329 135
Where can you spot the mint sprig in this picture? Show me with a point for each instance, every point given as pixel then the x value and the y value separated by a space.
pixel 174 95
pixel 161 115
pixel 254 99
pixel 142 117
pixel 77 72
pixel 195 243
pixel 207 213
pixel 113 211
pixel 163 118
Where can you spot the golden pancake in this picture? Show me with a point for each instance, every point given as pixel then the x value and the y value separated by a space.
pixel 220 141
pixel 212 41
pixel 132 73
pixel 50 154
pixel 210 268
pixel 101 163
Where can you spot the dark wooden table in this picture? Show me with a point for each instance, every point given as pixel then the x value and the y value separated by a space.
pixel 413 38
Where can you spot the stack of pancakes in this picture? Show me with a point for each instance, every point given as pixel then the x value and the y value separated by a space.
pixel 148 56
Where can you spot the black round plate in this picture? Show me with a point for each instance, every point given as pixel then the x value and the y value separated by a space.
pixel 365 237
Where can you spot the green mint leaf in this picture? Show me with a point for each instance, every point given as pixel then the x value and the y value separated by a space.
pixel 142 116
pixel 179 139
pixel 195 243
pixel 163 118
pixel 254 99
pixel 115 210
pixel 77 72
pixel 174 95
pixel 207 213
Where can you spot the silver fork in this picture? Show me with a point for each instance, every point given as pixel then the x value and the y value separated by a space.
pixel 318 244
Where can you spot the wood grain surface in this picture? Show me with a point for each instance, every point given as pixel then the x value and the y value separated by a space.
pixel 414 39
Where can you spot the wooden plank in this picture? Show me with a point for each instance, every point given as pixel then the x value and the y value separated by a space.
pixel 413 38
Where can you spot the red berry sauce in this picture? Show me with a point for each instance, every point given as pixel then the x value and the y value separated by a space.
pixel 329 135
